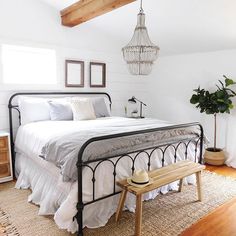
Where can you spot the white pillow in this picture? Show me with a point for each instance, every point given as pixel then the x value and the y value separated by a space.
pixel 33 109
pixel 82 109
pixel 99 106
pixel 60 110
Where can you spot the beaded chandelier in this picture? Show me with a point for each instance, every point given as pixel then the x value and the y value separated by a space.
pixel 140 52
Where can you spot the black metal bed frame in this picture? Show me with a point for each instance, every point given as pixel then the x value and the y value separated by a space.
pixel 114 160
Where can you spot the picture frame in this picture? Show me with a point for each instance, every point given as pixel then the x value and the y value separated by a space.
pixel 97 74
pixel 74 73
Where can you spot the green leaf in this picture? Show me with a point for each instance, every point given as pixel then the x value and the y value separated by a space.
pixel 222 108
pixel 209 111
pixel 219 93
pixel 229 82
pixel 194 99
pixel 220 100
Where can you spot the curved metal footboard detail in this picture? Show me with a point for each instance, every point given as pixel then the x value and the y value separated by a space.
pixel 132 157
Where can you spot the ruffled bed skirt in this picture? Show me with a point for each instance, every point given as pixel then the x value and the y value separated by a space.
pixel 59 198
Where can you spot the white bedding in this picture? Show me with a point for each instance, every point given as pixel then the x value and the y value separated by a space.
pixel 33 136
pixel 57 197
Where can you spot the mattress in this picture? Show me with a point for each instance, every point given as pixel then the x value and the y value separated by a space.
pixel 54 196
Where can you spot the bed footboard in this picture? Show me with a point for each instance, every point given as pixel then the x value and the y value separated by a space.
pixel 196 142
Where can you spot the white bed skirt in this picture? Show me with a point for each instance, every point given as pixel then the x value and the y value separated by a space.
pixel 59 198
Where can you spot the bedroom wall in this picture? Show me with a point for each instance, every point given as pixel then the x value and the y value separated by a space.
pixel 33 23
pixel 175 77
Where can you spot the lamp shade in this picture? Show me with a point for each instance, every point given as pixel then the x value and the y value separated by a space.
pixel 132 100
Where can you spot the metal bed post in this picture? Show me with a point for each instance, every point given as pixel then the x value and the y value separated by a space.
pixel 80 204
pixel 201 143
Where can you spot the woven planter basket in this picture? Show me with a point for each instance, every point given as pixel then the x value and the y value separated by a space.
pixel 216 158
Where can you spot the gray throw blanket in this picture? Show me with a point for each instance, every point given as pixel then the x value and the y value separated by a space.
pixel 63 151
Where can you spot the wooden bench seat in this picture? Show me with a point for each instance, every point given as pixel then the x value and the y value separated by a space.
pixel 161 177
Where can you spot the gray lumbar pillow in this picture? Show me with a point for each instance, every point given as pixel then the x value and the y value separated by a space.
pixel 100 107
pixel 60 111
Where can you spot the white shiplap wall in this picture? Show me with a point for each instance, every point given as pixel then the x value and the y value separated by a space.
pixel 120 85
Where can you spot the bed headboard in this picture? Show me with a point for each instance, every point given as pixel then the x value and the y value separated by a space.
pixel 13 105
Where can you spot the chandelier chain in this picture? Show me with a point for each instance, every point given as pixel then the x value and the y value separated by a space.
pixel 141 5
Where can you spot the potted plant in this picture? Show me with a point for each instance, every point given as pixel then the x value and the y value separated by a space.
pixel 213 103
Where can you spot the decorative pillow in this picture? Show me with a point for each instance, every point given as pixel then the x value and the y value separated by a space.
pixel 60 110
pixel 100 107
pixel 82 109
pixel 33 109
pixel 36 108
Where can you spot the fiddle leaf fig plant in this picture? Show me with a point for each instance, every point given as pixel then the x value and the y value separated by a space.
pixel 215 102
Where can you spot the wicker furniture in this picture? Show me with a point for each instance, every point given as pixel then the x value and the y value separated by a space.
pixel 5 158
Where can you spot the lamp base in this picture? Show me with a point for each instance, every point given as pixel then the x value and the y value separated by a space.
pixel 138 117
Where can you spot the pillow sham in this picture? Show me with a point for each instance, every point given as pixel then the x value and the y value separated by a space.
pixel 60 110
pixel 82 109
pixel 100 107
pixel 33 109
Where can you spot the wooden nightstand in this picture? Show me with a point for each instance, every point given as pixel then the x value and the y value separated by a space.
pixel 5 158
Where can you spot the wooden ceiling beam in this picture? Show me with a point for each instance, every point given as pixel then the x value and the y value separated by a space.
pixel 85 10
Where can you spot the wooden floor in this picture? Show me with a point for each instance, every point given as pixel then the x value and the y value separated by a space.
pixel 222 170
pixel 222 221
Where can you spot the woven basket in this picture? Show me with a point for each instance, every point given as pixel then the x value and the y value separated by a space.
pixel 216 158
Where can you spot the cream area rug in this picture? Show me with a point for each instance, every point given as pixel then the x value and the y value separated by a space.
pixel 167 215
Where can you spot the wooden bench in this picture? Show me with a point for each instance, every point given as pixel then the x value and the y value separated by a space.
pixel 161 177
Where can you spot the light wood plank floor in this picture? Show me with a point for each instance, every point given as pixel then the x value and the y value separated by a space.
pixel 222 221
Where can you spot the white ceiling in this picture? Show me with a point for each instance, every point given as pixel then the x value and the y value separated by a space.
pixel 60 4
pixel 177 26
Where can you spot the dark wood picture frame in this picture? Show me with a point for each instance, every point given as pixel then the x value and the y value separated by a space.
pixel 103 81
pixel 80 77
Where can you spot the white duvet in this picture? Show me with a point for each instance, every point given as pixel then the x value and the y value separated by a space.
pixel 57 197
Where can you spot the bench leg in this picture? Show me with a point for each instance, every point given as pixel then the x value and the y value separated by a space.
pixel 138 215
pixel 180 185
pixel 121 204
pixel 199 185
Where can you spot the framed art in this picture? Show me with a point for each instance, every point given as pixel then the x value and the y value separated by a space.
pixel 97 74
pixel 74 73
